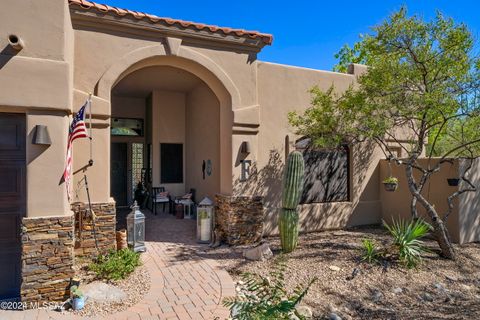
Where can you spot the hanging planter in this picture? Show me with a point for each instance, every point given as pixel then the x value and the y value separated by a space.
pixel 453 182
pixel 390 184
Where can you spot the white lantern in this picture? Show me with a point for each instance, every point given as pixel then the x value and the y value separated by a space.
pixel 136 229
pixel 205 220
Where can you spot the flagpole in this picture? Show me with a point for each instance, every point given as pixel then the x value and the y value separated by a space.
pixel 90 162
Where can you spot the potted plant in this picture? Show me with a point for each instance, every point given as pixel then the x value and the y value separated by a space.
pixel 390 183
pixel 453 182
pixel 77 298
pixel 140 194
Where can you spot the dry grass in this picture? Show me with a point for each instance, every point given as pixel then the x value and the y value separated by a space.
pixel 453 286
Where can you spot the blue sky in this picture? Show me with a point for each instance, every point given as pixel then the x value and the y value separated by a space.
pixel 306 33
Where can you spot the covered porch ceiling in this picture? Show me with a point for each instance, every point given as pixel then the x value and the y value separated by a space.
pixel 141 83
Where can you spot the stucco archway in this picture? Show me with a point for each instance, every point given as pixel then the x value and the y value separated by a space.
pixel 186 59
pixel 197 64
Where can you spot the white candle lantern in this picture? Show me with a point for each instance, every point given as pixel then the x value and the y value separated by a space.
pixel 205 220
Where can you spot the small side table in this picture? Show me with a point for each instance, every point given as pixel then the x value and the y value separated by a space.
pixel 187 207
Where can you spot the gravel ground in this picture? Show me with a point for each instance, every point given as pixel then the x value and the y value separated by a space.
pixel 438 289
pixel 136 285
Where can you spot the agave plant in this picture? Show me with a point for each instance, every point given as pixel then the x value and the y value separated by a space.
pixel 370 252
pixel 266 298
pixel 406 239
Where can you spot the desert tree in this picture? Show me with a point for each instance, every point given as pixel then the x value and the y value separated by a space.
pixel 422 80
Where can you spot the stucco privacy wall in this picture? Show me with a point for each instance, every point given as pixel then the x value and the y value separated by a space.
pixel 282 89
pixel 396 204
pixel 469 205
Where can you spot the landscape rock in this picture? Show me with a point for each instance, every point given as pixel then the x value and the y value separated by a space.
pixel 377 295
pixel 426 297
pixel 466 287
pixel 259 253
pixel 397 290
pixel 334 316
pixel 334 268
pixel 304 311
pixel 451 278
pixel 103 292
pixel 355 272
pixel 440 287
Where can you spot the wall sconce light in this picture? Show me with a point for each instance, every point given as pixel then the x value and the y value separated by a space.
pixel 245 148
pixel 41 135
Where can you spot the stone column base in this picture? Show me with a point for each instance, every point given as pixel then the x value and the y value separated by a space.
pixel 87 237
pixel 47 258
pixel 239 219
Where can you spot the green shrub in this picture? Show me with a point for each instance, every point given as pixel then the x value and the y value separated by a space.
pixel 116 265
pixel 370 252
pixel 406 240
pixel 266 298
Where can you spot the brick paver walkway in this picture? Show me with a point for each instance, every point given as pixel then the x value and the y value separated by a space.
pixel 184 285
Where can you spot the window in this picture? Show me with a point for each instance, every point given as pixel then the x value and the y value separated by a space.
pixel 137 165
pixel 326 174
pixel 171 163
pixel 127 127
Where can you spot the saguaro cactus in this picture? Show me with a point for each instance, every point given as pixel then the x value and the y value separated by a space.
pixel 292 190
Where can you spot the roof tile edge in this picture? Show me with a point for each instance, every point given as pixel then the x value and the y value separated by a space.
pixel 266 38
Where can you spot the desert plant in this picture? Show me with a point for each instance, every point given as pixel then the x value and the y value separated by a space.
pixel 406 240
pixel 292 190
pixel 266 298
pixel 421 91
pixel 116 265
pixel 370 252
pixel 392 180
pixel 76 292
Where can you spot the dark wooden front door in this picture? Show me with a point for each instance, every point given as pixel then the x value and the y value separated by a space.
pixel 12 201
pixel 118 173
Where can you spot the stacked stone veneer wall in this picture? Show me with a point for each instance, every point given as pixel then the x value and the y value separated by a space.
pixel 104 228
pixel 47 258
pixel 239 219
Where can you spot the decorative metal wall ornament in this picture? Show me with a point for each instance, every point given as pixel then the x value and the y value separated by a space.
pixel 209 167
pixel 245 172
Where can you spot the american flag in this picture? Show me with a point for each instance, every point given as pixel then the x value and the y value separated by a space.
pixel 77 130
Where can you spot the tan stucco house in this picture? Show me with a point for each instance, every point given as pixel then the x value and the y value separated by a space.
pixel 187 103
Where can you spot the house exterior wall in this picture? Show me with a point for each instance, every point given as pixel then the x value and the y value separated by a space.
pixel 282 89
pixel 203 141
pixel 168 119
pixel 37 81
pixel 68 56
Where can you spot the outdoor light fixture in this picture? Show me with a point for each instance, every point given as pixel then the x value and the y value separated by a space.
pixel 136 229
pixel 41 135
pixel 245 148
pixel 205 221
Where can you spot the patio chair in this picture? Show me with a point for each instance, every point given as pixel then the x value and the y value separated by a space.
pixel 159 195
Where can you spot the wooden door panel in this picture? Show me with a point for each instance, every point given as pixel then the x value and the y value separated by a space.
pixel 12 201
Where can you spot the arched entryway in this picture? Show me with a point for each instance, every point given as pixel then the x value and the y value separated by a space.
pixel 165 132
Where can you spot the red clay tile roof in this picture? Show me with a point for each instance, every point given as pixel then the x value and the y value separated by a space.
pixel 87 5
